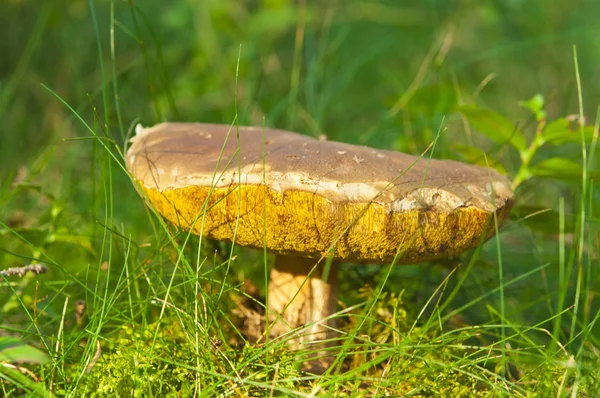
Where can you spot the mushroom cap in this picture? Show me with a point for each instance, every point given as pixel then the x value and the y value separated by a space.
pixel 294 194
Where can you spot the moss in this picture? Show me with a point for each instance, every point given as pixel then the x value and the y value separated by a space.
pixel 133 366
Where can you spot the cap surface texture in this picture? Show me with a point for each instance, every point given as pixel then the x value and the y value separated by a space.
pixel 299 195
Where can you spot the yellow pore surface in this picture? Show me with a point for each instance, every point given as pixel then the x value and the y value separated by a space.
pixel 299 222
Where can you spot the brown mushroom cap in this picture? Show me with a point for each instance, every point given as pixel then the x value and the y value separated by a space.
pixel 298 195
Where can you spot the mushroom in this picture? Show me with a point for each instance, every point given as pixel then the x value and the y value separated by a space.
pixel 307 200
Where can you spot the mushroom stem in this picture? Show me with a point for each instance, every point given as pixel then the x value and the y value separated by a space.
pixel 302 297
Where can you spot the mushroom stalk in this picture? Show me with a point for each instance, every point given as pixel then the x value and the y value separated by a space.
pixel 299 297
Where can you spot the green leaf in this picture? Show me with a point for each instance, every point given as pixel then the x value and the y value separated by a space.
pixel 13 350
pixel 495 126
pixel 560 168
pixel 562 131
pixel 556 129
pixel 536 106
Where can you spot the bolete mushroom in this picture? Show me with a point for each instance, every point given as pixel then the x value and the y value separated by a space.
pixel 306 200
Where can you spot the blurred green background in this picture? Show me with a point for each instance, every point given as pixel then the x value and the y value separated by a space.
pixel 333 67
pixel 387 74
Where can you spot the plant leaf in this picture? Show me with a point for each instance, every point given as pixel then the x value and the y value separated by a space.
pixel 536 106
pixel 13 350
pixel 561 131
pixel 557 167
pixel 495 126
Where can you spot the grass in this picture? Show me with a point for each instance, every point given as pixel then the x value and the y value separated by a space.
pixel 130 306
